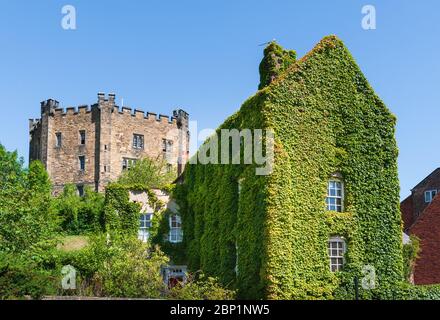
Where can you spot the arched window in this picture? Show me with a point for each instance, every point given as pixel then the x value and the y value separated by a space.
pixel 335 195
pixel 336 252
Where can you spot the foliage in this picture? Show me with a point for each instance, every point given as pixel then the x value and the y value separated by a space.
pixel 27 219
pixel 21 276
pixel 410 255
pixel 119 266
pixel 151 173
pixel 276 60
pixel 80 214
pixel 326 119
pixel 159 236
pixel 200 288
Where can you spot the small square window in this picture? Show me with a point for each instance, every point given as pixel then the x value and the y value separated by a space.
pixel 166 145
pixel 430 195
pixel 138 141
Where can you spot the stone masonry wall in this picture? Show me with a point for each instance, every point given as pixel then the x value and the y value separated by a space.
pixel 109 139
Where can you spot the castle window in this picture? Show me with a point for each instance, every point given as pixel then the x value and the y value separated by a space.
pixel 58 140
pixel 336 252
pixel 127 163
pixel 80 189
pixel 430 195
pixel 335 195
pixel 176 234
pixel 166 145
pixel 82 137
pixel 145 225
pixel 138 141
pixel 82 163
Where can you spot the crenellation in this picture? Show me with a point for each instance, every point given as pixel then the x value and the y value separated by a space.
pixel 84 108
pixel 139 114
pixel 126 110
pixel 71 111
pixel 151 116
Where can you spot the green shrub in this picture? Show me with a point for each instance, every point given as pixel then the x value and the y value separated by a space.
pixel 200 288
pixel 117 266
pixel 20 277
pixel 80 214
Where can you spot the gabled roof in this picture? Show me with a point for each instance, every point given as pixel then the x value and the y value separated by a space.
pixel 428 177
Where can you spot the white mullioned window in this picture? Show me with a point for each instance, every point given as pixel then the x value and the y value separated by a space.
pixel 335 195
pixel 128 163
pixel 176 233
pixel 145 225
pixel 336 252
pixel 430 195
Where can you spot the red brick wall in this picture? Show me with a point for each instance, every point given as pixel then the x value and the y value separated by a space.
pixel 427 229
pixel 407 210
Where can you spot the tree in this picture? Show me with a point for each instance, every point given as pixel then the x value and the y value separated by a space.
pixel 148 172
pixel 80 214
pixel 26 216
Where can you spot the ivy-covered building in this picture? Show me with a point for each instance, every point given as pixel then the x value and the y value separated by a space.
pixel 328 212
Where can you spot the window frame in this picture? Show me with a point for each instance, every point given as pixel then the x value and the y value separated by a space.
pixel 176 233
pixel 58 140
pixel 128 163
pixel 432 193
pixel 144 226
pixel 138 141
pixel 340 258
pixel 167 145
pixel 82 137
pixel 336 197
pixel 82 164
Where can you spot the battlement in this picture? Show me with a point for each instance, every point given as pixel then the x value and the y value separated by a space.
pixel 140 114
pixel 54 109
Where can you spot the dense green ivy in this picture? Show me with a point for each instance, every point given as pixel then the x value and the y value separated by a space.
pixel 326 119
pixel 276 60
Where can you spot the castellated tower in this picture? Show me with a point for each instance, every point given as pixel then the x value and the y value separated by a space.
pixel 91 146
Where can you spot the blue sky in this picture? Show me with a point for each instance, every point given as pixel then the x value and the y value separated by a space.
pixel 203 56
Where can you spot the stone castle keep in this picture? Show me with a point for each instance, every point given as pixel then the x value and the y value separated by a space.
pixel 91 146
